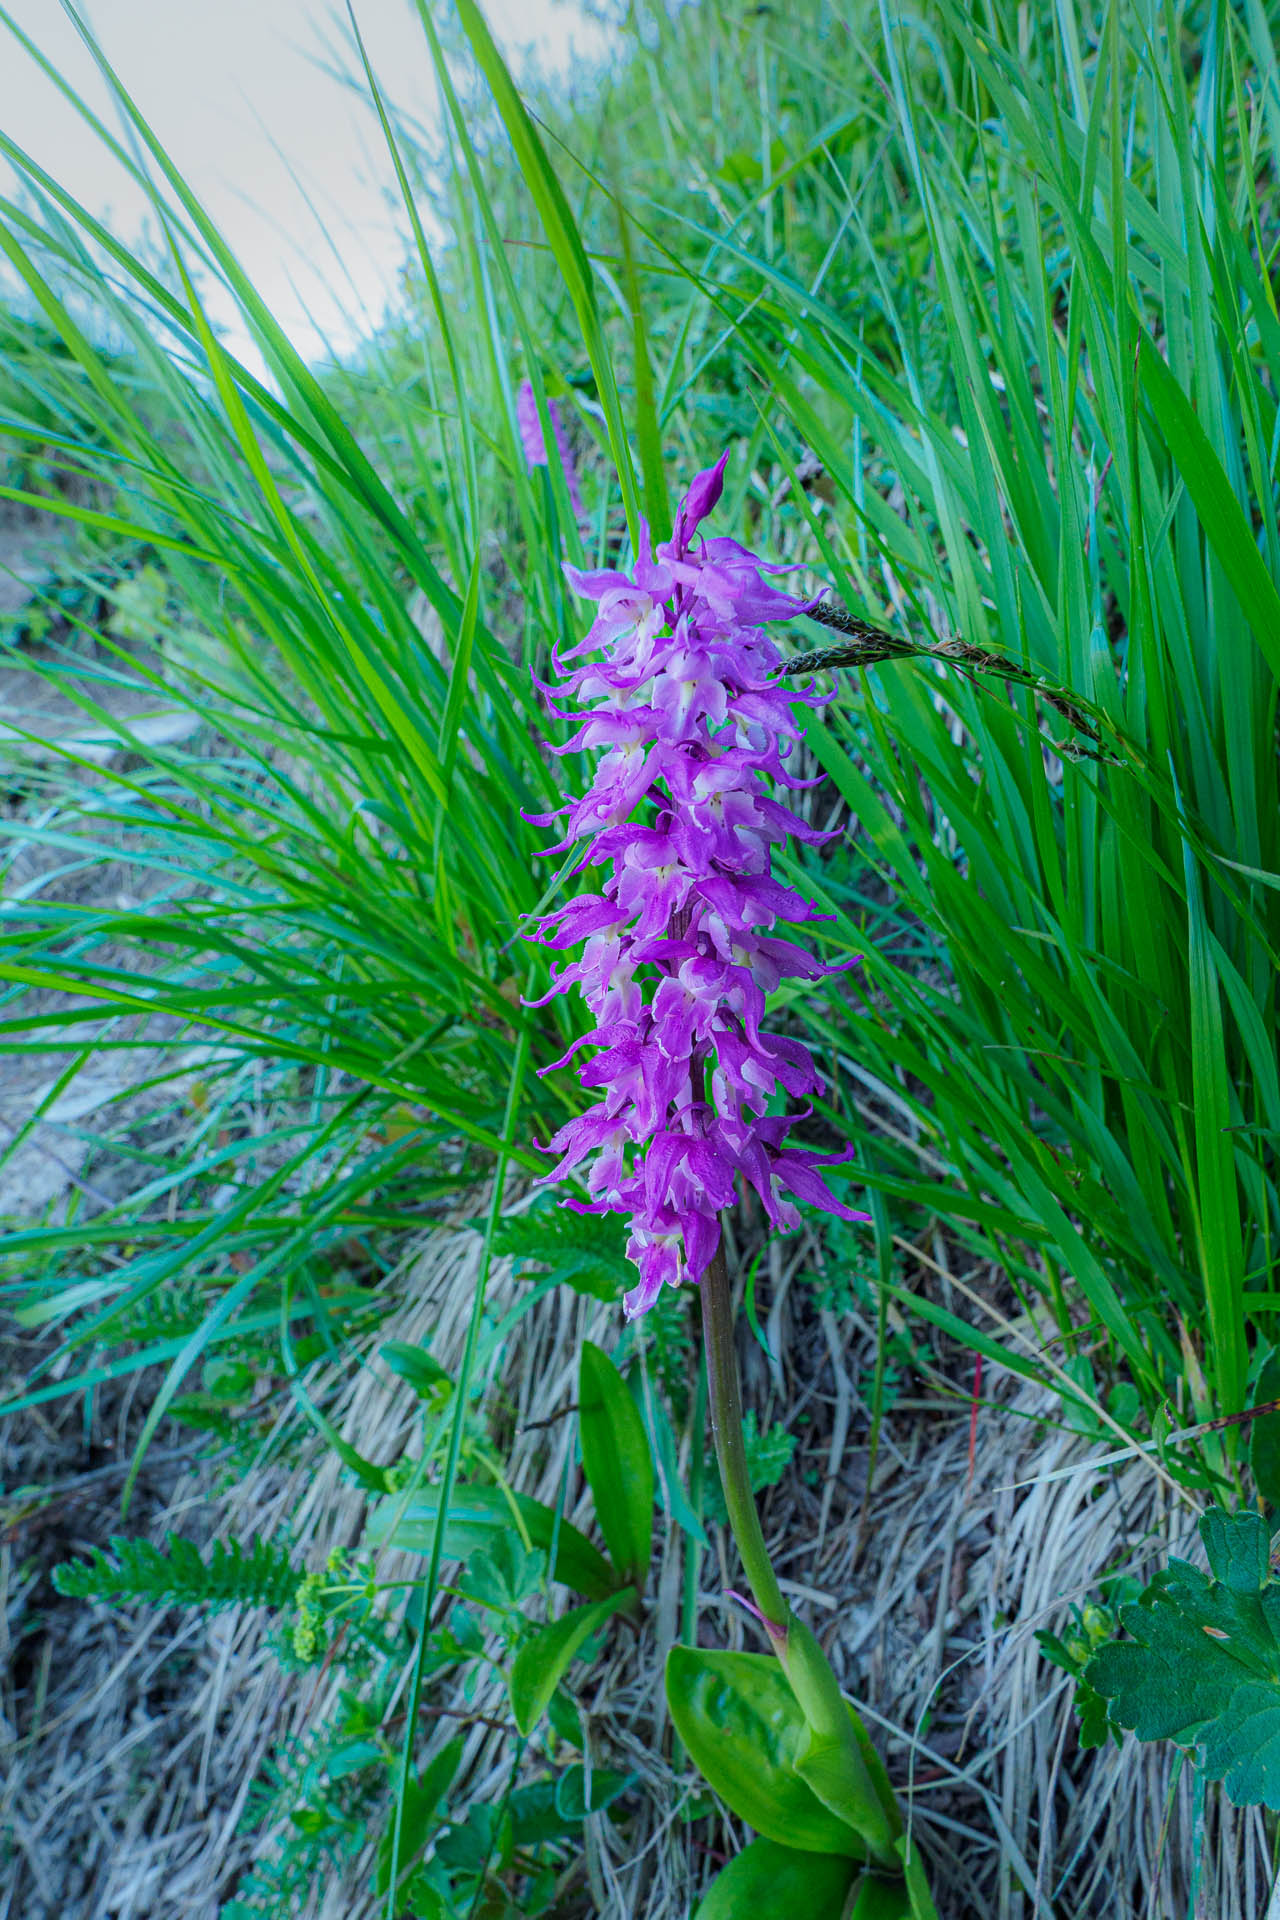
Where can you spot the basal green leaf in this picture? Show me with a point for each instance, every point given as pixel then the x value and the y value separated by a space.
pixel 772 1882
pixel 875 1898
pixel 741 1724
pixel 824 1765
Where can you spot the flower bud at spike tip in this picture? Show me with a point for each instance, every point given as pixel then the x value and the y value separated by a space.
pixel 677 680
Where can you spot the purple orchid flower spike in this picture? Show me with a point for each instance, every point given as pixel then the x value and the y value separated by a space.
pixel 678 681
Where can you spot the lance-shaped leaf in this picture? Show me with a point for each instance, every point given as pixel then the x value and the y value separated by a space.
pixel 618 1463
pixel 542 1662
pixel 477 1516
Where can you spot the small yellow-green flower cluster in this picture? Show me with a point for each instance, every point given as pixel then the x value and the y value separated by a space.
pixel 308 1628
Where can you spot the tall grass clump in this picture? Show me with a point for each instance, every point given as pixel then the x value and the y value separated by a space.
pixel 1010 361
pixel 986 314
pixel 330 879
pixel 1082 482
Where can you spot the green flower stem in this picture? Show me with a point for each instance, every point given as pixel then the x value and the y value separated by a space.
pixel 724 1394
pixel 833 1728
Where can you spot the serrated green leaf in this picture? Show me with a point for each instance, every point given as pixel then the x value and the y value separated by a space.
pixel 740 1723
pixel 1203 1665
pixel 1238 1547
pixel 618 1463
pixel 581 1250
pixel 773 1882
pixel 1242 1748
pixel 177 1575
pixel 542 1662
pixel 1096 1725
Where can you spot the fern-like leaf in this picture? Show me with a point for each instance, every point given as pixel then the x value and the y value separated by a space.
pixel 176 1575
pixel 768 1457
pixel 585 1250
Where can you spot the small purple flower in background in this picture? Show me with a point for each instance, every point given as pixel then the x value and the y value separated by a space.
pixel 534 442
pixel 679 951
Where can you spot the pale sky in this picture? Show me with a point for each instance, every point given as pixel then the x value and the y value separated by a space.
pixel 234 90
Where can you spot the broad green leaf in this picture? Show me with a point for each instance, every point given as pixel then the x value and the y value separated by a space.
pixel 772 1882
pixel 542 1662
pixel 875 1898
pixel 618 1463
pixel 739 1720
pixel 476 1516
